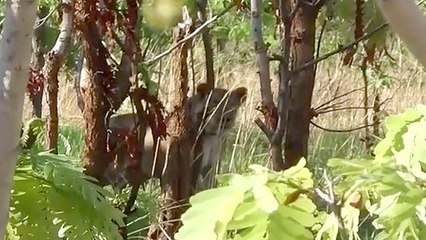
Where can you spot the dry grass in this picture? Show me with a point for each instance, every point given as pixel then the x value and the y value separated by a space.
pixel 332 79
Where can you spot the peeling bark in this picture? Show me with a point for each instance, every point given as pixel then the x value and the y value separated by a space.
pixel 102 91
pixel 54 61
pixel 95 100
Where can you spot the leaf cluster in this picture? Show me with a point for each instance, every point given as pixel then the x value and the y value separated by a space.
pixel 393 184
pixel 263 204
pixel 53 199
pixel 259 205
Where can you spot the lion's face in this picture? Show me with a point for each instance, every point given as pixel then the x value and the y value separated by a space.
pixel 213 112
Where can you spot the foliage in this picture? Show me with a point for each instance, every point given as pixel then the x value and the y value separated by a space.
pixel 393 185
pixel 260 205
pixel 269 205
pixel 52 199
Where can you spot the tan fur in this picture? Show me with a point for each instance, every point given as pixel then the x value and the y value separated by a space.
pixel 211 115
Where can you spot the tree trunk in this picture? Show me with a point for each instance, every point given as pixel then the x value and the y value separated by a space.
pixel 398 13
pixel 176 182
pixel 95 100
pixel 301 85
pixel 268 107
pixel 15 54
pixel 51 69
pixel 207 41
pixel 37 60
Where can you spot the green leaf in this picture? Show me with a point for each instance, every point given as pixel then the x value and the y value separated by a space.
pixel 264 198
pixel 215 207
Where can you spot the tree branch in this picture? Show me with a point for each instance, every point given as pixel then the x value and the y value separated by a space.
pixel 340 49
pixel 192 35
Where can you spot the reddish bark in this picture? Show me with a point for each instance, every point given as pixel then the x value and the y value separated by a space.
pixel 95 95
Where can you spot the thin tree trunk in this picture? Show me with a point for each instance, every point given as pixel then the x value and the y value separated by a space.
pixel 268 107
pixel 37 60
pixel 53 64
pixel 208 48
pixel 79 75
pixel 176 182
pixel 376 113
pixel 15 54
pixel 367 137
pixel 302 84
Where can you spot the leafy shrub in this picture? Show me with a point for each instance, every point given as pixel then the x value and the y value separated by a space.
pixel 282 205
pixel 53 199
pixel 393 185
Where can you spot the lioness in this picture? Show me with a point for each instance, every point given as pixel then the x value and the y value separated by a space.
pixel 211 115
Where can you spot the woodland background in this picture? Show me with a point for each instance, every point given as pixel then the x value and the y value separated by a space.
pixel 369 76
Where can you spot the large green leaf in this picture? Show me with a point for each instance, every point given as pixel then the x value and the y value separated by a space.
pixel 53 199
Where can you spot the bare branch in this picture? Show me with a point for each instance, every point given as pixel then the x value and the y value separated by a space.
pixel 192 35
pixel 264 128
pixel 341 130
pixel 41 21
pixel 340 49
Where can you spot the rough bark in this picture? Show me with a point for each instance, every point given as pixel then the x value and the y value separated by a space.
pixel 176 181
pixel 96 104
pixel 54 61
pixel 207 41
pixel 15 54
pixel 398 13
pixel 37 60
pixel 302 84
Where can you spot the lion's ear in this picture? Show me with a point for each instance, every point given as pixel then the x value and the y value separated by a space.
pixel 241 92
pixel 203 89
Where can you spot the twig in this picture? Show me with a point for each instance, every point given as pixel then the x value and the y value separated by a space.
pixel 341 130
pixel 333 203
pixel 340 49
pixel 264 128
pixel 341 109
pixel 192 35
pixel 41 21
pixel 337 97
pixel 324 24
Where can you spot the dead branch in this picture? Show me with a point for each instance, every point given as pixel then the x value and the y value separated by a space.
pixel 40 22
pixel 340 49
pixel 337 97
pixel 341 130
